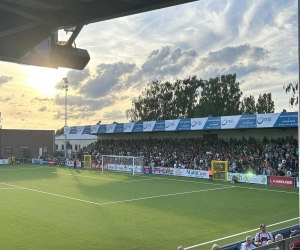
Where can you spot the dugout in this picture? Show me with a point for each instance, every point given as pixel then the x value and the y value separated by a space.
pixel 23 144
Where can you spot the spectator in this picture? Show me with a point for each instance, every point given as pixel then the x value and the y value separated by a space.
pixel 248 245
pixel 278 237
pixel 262 237
pixel 295 245
pixel 215 247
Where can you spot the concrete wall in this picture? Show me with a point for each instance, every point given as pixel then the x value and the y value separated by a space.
pixel 12 141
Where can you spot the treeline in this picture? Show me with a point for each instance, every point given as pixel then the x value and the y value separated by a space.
pixel 193 97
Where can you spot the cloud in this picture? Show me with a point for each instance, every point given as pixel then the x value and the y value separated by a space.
pixel 75 78
pixel 109 78
pixel 42 109
pixel 114 115
pixel 82 103
pixel 6 99
pixel 168 61
pixel 5 79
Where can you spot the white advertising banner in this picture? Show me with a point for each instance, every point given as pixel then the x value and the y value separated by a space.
pixel 198 123
pixel 124 168
pixel 249 178
pixel 195 173
pixel 110 128
pixel 128 127
pixel 71 164
pixel 171 125
pixel 229 122
pixel 3 161
pixel 266 120
pixel 148 126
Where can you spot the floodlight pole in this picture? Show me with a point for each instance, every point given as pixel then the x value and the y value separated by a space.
pixel 66 112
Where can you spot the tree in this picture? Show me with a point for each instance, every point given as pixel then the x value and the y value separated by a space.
pixel 248 105
pixel 60 131
pixel 220 96
pixel 162 101
pixel 294 98
pixel 265 104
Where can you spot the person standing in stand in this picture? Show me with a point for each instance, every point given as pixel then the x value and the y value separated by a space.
pixel 75 163
pixel 262 237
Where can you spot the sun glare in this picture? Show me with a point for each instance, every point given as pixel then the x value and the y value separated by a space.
pixel 44 79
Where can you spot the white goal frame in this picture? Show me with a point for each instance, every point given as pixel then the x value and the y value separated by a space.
pixel 120 163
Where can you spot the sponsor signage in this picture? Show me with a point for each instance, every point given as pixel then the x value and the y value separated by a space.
pixel 159 126
pixel 110 128
pixel 94 129
pixel 128 127
pixel 148 126
pixel 194 173
pixel 278 181
pixel 73 131
pixel 198 123
pixel 147 170
pixel 138 127
pixel 213 123
pixel 171 125
pixel 102 129
pixel 86 130
pixel 246 121
pixel 229 122
pixel 124 168
pixel 249 178
pixel 184 124
pixel 3 161
pixel 287 120
pixel 119 128
pixel 284 119
pixel 266 120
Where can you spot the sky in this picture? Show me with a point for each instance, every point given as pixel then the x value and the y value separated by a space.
pixel 256 39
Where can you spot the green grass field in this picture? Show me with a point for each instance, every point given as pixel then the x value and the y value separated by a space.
pixel 63 208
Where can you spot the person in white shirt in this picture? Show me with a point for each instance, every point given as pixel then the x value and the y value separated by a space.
pixel 262 237
pixel 248 245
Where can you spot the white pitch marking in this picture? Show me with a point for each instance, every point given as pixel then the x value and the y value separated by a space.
pixel 9 188
pixel 113 202
pixel 230 236
pixel 91 177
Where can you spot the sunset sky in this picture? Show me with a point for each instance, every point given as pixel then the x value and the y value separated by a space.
pixel 256 39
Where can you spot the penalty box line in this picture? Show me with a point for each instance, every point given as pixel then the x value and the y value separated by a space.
pixel 188 181
pixel 113 202
pixel 100 178
pixel 230 236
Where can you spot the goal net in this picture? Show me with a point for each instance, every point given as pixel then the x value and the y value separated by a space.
pixel 219 169
pixel 127 164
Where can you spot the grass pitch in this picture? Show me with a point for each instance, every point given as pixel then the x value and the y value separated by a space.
pixel 63 208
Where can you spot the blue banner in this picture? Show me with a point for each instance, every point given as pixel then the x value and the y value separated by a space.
pixel 184 124
pixel 86 130
pixel 213 123
pixel 119 128
pixel 138 127
pixel 287 120
pixel 73 131
pixel 102 129
pixel 247 121
pixel 159 126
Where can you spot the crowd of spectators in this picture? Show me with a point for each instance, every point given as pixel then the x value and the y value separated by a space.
pixel 267 157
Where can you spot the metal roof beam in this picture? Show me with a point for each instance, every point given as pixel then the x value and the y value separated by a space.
pixel 26 12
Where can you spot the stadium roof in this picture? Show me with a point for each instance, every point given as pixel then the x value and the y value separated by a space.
pixel 28 28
